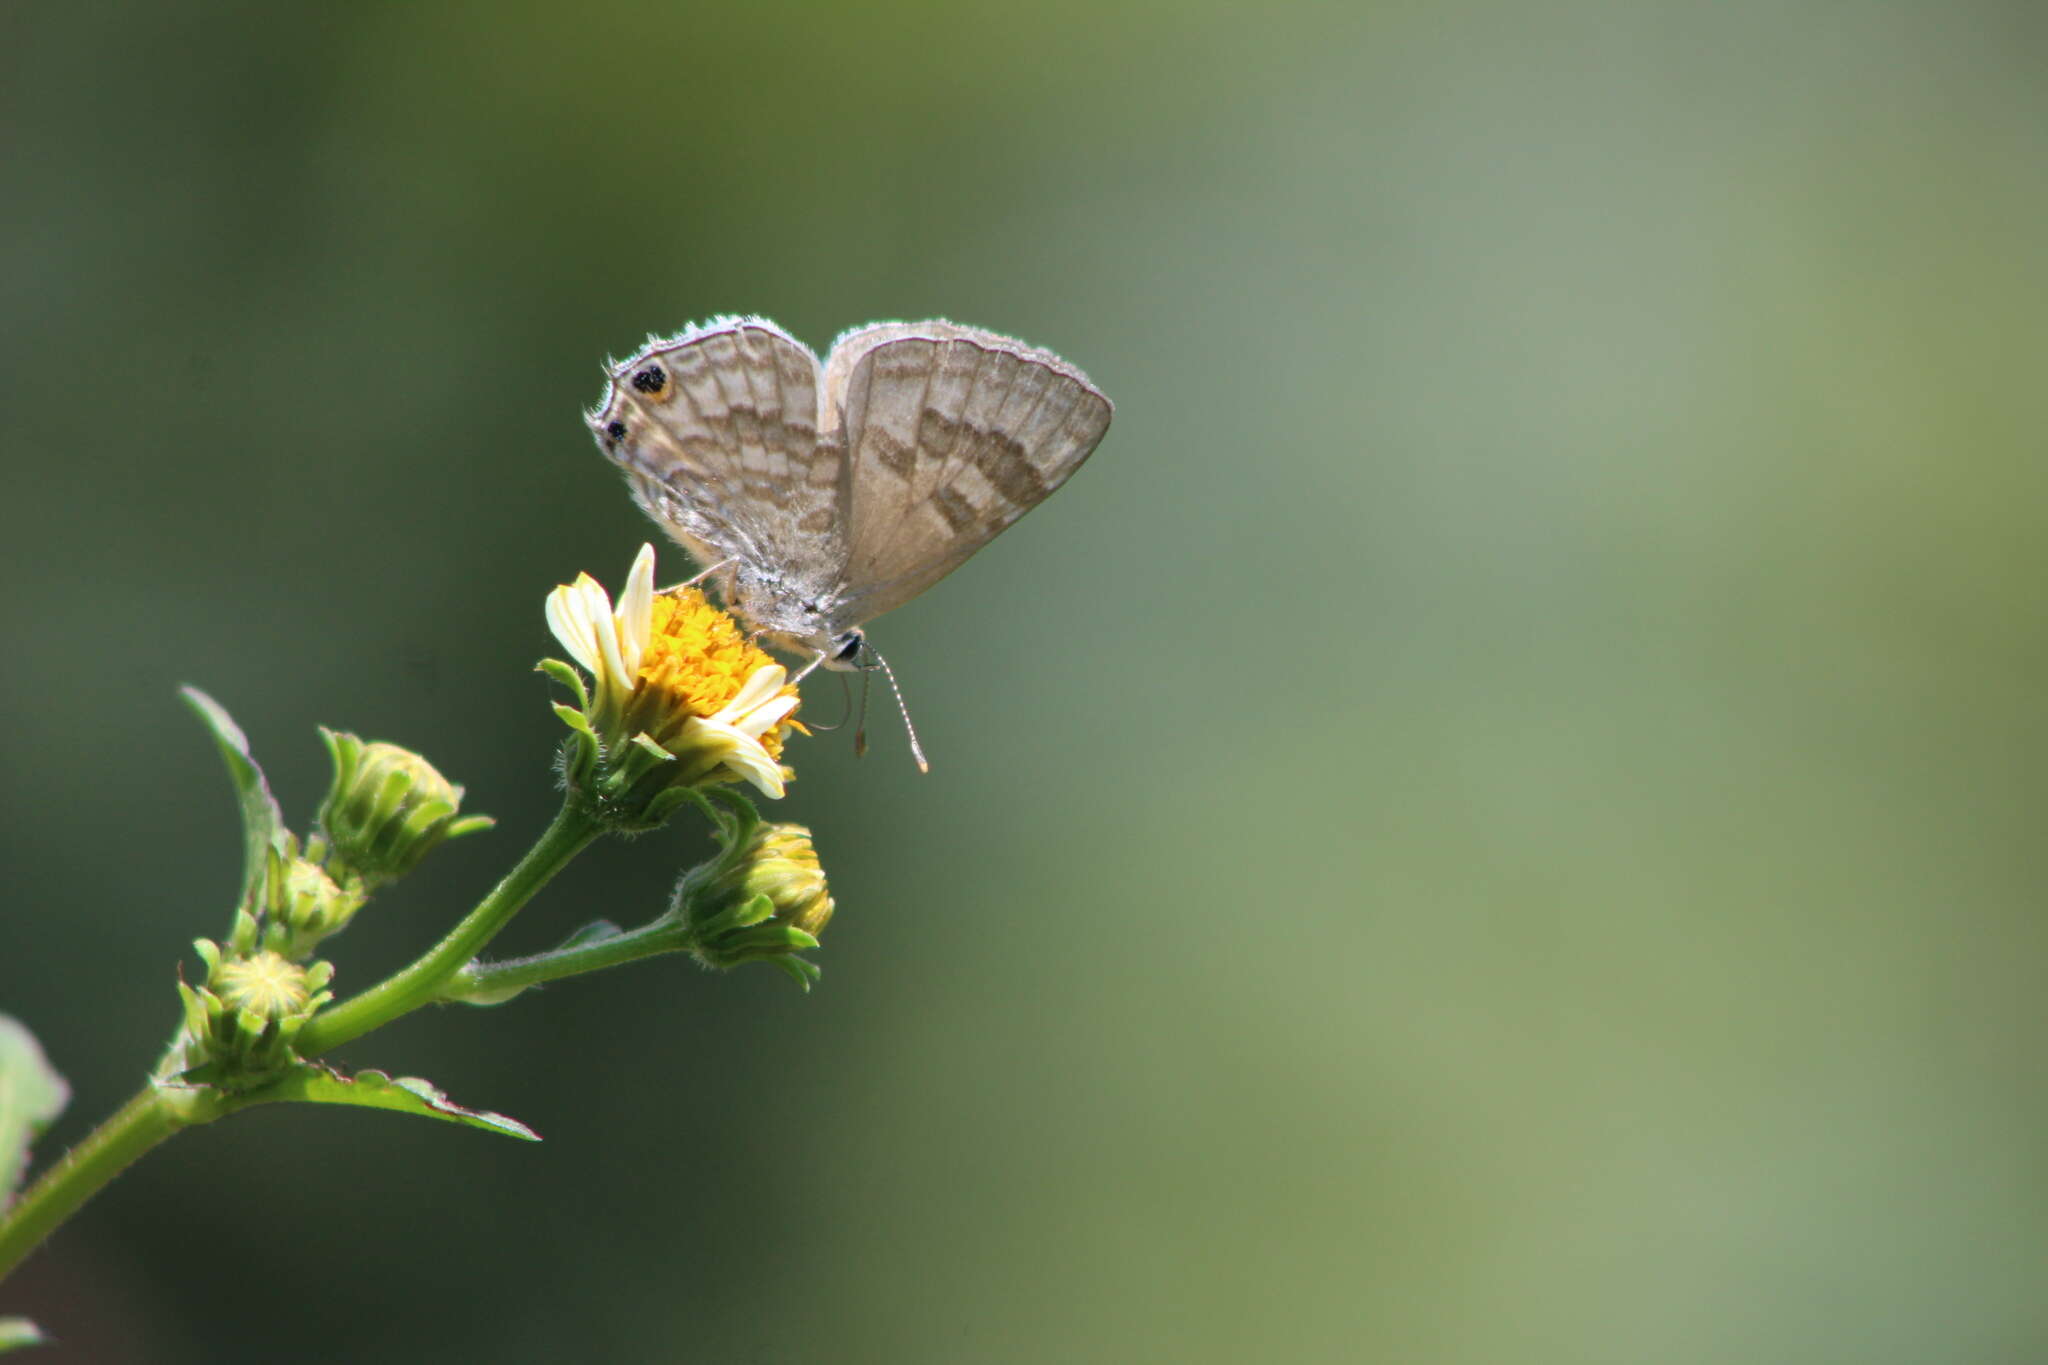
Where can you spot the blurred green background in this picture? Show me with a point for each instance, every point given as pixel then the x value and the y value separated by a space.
pixel 1498 820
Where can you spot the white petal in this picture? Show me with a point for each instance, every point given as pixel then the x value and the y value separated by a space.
pixel 766 717
pixel 744 756
pixel 765 682
pixel 571 627
pixel 636 610
pixel 755 766
pixel 598 607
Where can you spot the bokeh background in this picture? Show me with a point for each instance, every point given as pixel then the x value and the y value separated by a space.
pixel 1500 819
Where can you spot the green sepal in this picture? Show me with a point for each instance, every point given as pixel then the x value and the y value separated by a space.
pixel 745 915
pixel 194 1006
pixel 731 815
pixel 800 970
pixel 314 1083
pixel 663 804
pixel 747 932
pixel 427 814
pixel 567 677
pixel 263 828
pixel 246 933
pixel 738 819
pixel 16 1333
pixel 768 939
pixel 32 1094
pixel 389 798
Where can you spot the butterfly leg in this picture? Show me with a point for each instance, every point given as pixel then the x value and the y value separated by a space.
pixel 703 574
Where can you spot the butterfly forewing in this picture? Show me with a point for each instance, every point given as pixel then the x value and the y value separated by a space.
pixel 717 431
pixel 951 435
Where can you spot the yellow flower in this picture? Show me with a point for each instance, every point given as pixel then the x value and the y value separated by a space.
pixel 677 680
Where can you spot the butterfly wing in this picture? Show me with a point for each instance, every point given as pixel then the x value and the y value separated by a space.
pixel 717 432
pixel 951 434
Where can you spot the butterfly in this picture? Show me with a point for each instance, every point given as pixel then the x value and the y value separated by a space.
pixel 821 495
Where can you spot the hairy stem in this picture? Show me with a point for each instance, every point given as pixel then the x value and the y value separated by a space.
pixel 83 1171
pixel 423 981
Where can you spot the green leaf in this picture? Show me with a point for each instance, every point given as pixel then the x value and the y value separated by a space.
pixel 596 931
pixel 262 821
pixel 31 1095
pixel 313 1083
pixel 16 1333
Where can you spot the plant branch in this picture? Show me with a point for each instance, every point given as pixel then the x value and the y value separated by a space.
pixel 422 982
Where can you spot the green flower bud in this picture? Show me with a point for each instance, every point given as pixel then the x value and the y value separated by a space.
pixel 266 986
pixel 762 902
pixel 247 1015
pixel 303 905
pixel 387 807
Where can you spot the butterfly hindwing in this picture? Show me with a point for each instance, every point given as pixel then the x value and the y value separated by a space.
pixel 952 433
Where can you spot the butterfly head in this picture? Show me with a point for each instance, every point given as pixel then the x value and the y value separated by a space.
pixel 845 652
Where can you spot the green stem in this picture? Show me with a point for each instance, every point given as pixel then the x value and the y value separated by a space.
pixel 62 1190
pixel 422 982
pixel 485 980
pixel 156 1113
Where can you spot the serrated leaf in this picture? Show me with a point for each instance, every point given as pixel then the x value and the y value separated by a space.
pixel 262 821
pixel 31 1095
pixel 313 1083
pixel 16 1333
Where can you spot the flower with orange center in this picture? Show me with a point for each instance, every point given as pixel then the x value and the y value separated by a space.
pixel 682 696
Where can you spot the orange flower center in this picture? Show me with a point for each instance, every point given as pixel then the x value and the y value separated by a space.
pixel 699 658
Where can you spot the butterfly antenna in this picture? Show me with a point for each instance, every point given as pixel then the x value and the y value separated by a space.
pixel 916 749
pixel 860 731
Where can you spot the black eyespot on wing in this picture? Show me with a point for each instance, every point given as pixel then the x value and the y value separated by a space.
pixel 616 430
pixel 651 380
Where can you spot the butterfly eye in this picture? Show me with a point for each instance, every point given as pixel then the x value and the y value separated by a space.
pixel 847 647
